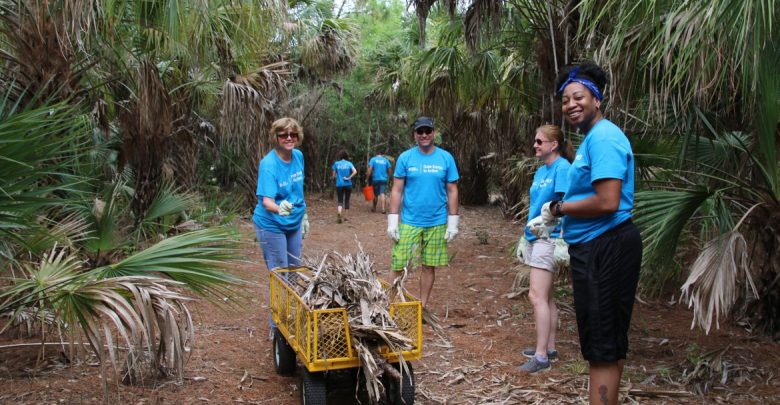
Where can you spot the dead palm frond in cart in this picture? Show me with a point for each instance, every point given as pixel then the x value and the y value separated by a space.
pixel 350 282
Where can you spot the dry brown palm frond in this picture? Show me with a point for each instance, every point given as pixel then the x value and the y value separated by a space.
pixel 248 102
pixel 42 59
pixel 344 281
pixel 397 292
pixel 421 8
pixel 711 288
pixel 65 232
pixel 148 317
pixel 28 321
pixel 332 50
pixel 441 95
pixel 146 123
pixel 516 179
pixel 483 17
pixel 248 105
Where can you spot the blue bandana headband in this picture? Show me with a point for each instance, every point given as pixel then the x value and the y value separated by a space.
pixel 585 82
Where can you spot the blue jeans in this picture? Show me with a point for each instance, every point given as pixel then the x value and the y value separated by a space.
pixel 279 250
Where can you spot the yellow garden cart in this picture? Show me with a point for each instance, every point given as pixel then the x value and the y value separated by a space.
pixel 321 340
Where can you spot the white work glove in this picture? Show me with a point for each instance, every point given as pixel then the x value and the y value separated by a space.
pixel 392 227
pixel 547 215
pixel 561 254
pixel 285 208
pixel 305 226
pixel 452 228
pixel 522 245
pixel 539 228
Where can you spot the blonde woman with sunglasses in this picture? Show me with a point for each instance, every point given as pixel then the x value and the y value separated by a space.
pixel 550 182
pixel 280 215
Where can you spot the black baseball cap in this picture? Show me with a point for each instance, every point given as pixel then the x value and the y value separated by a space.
pixel 423 122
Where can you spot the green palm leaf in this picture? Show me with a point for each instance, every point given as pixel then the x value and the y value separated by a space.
pixel 38 149
pixel 662 215
pixel 169 205
pixel 197 259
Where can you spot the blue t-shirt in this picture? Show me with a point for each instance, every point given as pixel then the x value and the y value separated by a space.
pixel 605 153
pixel 343 168
pixel 280 180
pixel 379 166
pixel 549 181
pixel 425 185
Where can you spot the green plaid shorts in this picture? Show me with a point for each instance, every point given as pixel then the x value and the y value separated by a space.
pixel 414 239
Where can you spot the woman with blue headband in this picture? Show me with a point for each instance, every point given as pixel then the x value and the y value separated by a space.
pixel 605 247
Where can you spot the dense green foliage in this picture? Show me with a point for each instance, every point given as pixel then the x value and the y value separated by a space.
pixel 125 124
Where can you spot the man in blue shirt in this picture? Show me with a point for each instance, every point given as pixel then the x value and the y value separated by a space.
pixel 425 193
pixel 378 173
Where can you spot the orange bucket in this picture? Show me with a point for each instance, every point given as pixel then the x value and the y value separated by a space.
pixel 368 193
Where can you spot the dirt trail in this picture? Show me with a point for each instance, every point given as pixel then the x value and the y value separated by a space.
pixel 487 325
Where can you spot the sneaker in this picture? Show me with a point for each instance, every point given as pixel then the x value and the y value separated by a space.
pixel 534 366
pixel 552 355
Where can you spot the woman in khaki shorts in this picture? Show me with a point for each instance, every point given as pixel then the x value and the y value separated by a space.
pixel 550 182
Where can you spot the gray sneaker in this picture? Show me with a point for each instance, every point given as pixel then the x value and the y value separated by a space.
pixel 534 366
pixel 552 355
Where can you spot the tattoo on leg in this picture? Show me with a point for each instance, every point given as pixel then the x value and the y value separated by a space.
pixel 603 393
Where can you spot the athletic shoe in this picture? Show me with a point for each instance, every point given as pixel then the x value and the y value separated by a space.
pixel 530 352
pixel 534 366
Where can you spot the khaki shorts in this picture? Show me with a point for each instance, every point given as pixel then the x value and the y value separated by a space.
pixel 539 254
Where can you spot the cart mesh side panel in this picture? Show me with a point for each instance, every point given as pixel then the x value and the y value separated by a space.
pixel 322 338
pixel 332 338
pixel 406 317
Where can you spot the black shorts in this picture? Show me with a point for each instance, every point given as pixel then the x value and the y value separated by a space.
pixel 605 272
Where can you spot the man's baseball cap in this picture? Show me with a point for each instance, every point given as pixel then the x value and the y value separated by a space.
pixel 423 122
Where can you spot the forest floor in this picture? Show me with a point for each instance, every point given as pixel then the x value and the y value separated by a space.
pixel 487 322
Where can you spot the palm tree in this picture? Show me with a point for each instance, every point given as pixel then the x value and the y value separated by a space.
pixel 47 240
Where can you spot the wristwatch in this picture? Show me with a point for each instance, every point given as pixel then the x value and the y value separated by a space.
pixel 555 208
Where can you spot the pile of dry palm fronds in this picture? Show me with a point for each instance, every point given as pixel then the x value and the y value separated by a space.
pixel 344 281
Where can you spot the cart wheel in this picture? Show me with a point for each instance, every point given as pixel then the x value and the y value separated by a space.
pixel 284 355
pixel 314 388
pixel 403 395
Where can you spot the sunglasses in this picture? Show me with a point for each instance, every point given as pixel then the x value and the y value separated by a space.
pixel 283 135
pixel 539 141
pixel 424 130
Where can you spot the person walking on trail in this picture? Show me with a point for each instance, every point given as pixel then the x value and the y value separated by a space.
pixel 550 182
pixel 425 195
pixel 280 215
pixel 605 247
pixel 343 172
pixel 378 173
